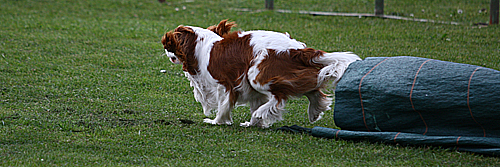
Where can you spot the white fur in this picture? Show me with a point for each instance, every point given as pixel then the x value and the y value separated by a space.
pixel 263 40
pixel 172 57
pixel 336 64
pixel 204 44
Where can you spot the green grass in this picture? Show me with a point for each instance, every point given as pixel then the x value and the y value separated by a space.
pixel 80 82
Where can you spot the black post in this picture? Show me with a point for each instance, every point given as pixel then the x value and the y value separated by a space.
pixel 494 12
pixel 379 7
pixel 270 4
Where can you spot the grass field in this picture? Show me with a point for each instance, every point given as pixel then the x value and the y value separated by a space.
pixel 80 82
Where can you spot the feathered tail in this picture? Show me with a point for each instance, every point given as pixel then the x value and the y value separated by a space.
pixel 336 64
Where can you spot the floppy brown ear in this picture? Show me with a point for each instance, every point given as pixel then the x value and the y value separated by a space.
pixel 170 38
pixel 181 38
pixel 185 43
pixel 182 29
pixel 169 41
pixel 223 28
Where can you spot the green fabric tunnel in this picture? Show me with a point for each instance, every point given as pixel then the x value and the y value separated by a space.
pixel 418 101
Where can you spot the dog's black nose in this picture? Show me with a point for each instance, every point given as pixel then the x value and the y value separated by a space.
pixel 173 58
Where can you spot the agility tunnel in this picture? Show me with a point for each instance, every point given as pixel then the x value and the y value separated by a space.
pixel 418 101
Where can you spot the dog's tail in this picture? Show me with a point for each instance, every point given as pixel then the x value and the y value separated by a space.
pixel 335 65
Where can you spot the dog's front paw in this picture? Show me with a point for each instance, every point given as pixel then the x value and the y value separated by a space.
pixel 245 124
pixel 210 121
pixel 215 122
pixel 317 117
pixel 253 122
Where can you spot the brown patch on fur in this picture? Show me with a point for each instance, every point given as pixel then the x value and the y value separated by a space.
pixel 230 58
pixel 291 72
pixel 182 42
pixel 223 28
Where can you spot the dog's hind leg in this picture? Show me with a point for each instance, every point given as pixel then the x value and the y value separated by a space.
pixel 225 106
pixel 318 102
pixel 269 112
pixel 256 102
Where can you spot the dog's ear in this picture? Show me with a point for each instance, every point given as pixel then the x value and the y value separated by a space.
pixel 223 28
pixel 182 29
pixel 181 37
pixel 169 41
pixel 184 48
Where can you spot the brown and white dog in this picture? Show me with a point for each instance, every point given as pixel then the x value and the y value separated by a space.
pixel 259 68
